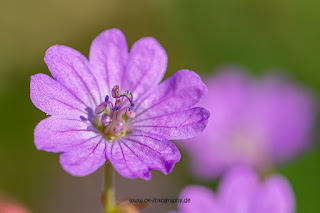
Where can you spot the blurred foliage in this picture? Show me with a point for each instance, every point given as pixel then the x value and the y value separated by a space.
pixel 198 35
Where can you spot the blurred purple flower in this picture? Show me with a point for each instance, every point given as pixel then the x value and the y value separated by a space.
pixel 111 107
pixel 240 192
pixel 256 123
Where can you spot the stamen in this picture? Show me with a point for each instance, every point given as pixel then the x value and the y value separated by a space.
pixel 118 127
pixel 100 108
pixel 112 114
pixel 127 94
pixel 110 104
pixel 117 105
pixel 105 119
pixel 132 106
pixel 115 91
pixel 106 99
pixel 130 114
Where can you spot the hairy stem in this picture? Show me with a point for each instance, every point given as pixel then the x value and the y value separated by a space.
pixel 108 198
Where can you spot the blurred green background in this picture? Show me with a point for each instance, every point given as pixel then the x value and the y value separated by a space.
pixel 198 35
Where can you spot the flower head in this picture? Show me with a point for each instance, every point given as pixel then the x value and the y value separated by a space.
pixel 113 107
pixel 241 192
pixel 257 122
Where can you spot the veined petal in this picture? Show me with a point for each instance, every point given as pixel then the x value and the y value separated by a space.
pixel 275 196
pixel 179 92
pixel 146 66
pixel 84 159
pixel 108 56
pixel 53 98
pixel 72 69
pixel 174 126
pixel 139 152
pixel 62 133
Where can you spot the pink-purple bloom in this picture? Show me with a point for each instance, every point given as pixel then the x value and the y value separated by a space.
pixel 112 107
pixel 257 122
pixel 240 191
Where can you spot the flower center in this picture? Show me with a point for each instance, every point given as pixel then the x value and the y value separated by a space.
pixel 248 144
pixel 112 117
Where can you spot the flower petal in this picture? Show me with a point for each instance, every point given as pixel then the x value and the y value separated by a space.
pixel 288 115
pixel 86 158
pixel 179 92
pixel 237 189
pixel 53 98
pixel 275 196
pixel 174 126
pixel 139 152
pixel 62 133
pixel 146 66
pixel 108 55
pixel 230 100
pixel 201 200
pixel 72 69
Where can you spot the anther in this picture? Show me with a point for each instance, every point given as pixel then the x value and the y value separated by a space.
pixel 131 106
pixel 127 94
pixel 106 99
pixel 105 119
pixel 118 127
pixel 115 91
pixel 130 114
pixel 100 108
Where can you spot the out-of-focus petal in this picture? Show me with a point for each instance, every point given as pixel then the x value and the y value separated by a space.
pixel 240 191
pixel 275 196
pixel 61 133
pixel 228 97
pixel 237 190
pixel 85 158
pixel 256 123
pixel 146 66
pixel 53 98
pixel 201 200
pixel 108 56
pixel 287 113
pixel 179 92
pixel 72 69
pixel 139 152
pixel 178 125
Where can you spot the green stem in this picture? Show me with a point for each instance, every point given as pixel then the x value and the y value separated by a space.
pixel 109 201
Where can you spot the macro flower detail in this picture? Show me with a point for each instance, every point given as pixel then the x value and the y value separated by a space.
pixel 257 122
pixel 240 191
pixel 113 107
pixel 112 115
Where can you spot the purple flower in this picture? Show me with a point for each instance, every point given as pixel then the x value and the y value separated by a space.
pixel 257 122
pixel 240 192
pixel 112 107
